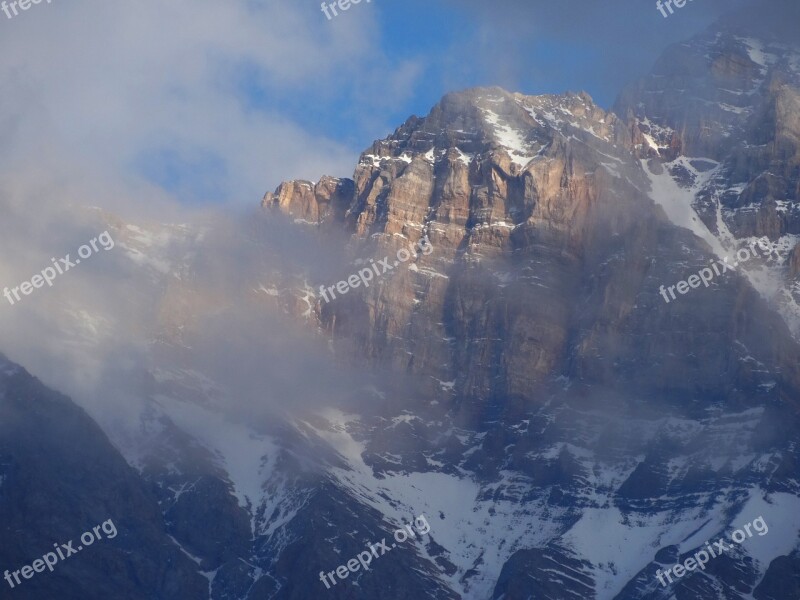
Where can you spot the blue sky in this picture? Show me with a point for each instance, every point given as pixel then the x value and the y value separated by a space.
pixel 211 102
pixel 522 46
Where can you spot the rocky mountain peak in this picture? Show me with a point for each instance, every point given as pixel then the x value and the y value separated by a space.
pixel 485 122
pixel 556 376
pixel 715 90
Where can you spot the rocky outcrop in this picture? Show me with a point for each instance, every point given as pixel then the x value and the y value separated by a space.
pixel 310 203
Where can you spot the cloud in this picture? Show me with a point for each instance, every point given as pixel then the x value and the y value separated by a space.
pixel 539 46
pixel 129 107
pixel 161 92
pixel 167 300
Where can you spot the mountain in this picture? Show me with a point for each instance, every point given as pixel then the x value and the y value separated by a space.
pixel 520 377
pixel 59 478
pixel 573 399
pixel 721 111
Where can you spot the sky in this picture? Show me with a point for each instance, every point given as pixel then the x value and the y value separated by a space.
pixel 213 102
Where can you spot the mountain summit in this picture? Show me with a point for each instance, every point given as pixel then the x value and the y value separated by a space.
pixel 565 396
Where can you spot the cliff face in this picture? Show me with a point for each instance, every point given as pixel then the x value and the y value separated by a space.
pixel 560 377
pixel 730 100
pixel 548 256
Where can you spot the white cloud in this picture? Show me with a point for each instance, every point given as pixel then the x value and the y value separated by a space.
pixel 99 85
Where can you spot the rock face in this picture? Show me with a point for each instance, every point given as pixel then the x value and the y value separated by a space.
pixel 545 248
pixel 729 103
pixel 794 262
pixel 321 203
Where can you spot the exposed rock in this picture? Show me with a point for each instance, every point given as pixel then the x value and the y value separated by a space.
pixel 541 574
pixel 794 261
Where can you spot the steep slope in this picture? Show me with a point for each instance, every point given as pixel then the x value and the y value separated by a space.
pixel 204 435
pixel 60 477
pixel 723 113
